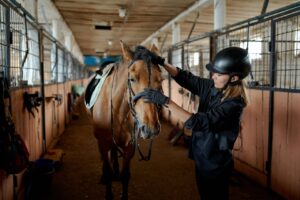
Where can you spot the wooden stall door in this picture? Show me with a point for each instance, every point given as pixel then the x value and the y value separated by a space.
pixel 250 150
pixel 285 177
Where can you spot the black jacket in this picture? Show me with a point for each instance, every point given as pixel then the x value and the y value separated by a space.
pixel 215 126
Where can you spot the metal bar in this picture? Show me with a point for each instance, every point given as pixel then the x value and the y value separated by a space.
pixel 169 81
pixel 56 63
pixel 275 13
pixel 193 26
pixel 195 6
pixel 265 6
pixel 9 40
pixel 41 48
pixel 249 22
pixel 271 103
pixel 27 48
pixel 17 5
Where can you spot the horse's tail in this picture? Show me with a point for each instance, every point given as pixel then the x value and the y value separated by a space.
pixel 79 107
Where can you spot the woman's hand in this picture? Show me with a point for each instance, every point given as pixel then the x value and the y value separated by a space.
pixel 154 96
pixel 158 60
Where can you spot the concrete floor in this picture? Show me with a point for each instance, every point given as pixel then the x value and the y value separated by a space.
pixel 168 175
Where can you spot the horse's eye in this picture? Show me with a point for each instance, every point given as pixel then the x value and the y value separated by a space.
pixel 131 80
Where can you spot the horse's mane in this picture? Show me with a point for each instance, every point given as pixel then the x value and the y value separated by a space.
pixel 142 53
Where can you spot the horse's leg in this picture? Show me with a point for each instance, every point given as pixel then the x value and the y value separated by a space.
pixel 125 171
pixel 115 164
pixel 125 177
pixel 107 174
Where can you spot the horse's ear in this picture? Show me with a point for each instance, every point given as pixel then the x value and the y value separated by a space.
pixel 154 49
pixel 127 53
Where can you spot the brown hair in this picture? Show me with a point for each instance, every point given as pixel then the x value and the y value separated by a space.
pixel 237 90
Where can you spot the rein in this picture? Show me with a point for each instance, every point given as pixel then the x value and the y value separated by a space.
pixel 133 98
pixel 112 118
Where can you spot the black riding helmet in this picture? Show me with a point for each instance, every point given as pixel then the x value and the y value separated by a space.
pixel 233 61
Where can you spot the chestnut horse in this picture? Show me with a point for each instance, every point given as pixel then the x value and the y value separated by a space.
pixel 120 115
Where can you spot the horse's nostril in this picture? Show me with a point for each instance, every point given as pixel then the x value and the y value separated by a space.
pixel 157 127
pixel 150 131
pixel 144 128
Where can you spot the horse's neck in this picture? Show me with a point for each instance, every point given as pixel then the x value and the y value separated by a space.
pixel 120 93
pixel 119 80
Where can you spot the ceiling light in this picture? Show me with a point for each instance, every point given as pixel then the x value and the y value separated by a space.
pixel 109 42
pixel 101 25
pixel 122 12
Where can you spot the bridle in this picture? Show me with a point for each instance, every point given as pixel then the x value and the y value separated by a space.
pixel 132 99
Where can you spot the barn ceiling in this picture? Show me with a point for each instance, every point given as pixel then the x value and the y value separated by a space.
pixel 97 26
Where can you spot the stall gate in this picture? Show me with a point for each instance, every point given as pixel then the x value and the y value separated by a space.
pixel 266 149
pixel 34 62
pixel 285 162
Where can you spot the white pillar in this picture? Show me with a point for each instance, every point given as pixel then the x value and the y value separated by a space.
pixel 176 55
pixel 68 41
pixel 219 14
pixel 175 33
pixel 55 28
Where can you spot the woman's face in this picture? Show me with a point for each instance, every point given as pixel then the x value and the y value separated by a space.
pixel 220 80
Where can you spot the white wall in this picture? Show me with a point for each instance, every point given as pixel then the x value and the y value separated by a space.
pixel 49 17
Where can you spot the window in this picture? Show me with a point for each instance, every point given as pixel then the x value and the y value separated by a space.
pixel 194 59
pixel 176 58
pixel 31 68
pixel 254 48
pixel 297 43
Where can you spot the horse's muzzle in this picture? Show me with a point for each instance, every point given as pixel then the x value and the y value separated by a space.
pixel 148 132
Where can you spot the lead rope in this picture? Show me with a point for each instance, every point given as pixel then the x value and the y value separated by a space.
pixel 142 157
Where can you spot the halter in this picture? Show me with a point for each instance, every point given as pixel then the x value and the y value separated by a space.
pixel 133 98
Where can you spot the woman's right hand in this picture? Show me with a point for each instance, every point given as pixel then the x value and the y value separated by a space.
pixel 170 68
pixel 160 61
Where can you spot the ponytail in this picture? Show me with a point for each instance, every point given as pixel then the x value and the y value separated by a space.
pixel 237 90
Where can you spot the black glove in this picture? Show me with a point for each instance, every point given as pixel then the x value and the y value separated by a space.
pixel 158 60
pixel 161 61
pixel 154 96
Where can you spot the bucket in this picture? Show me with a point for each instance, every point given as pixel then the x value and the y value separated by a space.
pixel 38 178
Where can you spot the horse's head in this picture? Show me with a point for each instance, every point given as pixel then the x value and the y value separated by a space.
pixel 143 72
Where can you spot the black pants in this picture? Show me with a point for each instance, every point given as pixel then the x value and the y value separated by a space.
pixel 214 187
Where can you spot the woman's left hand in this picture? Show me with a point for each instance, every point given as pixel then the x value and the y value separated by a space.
pixel 155 96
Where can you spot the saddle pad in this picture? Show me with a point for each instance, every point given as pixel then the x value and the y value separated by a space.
pixel 96 83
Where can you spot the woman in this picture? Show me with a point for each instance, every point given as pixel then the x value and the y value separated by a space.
pixel 216 124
